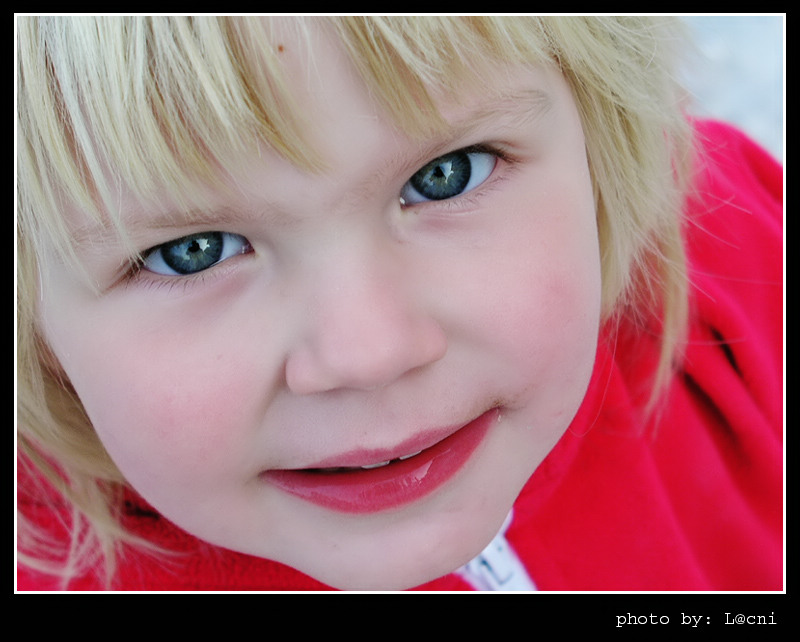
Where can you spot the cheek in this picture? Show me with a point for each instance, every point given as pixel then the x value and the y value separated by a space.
pixel 168 405
pixel 547 299
pixel 550 335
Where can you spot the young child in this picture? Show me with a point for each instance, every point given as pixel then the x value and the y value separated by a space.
pixel 387 303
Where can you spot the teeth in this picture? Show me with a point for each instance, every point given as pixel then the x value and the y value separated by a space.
pixel 380 464
pixel 411 455
pixel 386 463
pixel 371 466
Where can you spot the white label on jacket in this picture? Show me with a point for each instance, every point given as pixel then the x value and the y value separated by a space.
pixel 497 567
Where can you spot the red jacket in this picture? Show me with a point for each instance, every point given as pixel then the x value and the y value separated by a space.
pixel 693 502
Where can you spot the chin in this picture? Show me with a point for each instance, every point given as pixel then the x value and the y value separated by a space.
pixel 401 574
pixel 403 555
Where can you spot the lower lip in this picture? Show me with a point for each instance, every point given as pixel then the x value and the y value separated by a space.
pixel 398 483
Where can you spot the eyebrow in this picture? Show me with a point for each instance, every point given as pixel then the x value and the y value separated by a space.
pixel 98 235
pixel 503 111
pixel 508 110
pixel 515 109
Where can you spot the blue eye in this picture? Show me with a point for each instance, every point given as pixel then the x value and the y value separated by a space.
pixel 448 176
pixel 194 253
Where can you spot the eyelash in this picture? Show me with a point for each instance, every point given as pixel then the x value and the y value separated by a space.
pixel 466 196
pixel 137 270
pixel 138 275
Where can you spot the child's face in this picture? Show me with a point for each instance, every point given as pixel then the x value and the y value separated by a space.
pixel 346 328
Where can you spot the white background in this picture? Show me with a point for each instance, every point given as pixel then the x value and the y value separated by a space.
pixel 737 73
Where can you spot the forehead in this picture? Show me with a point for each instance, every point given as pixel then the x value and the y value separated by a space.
pixel 331 100
pixel 143 100
pixel 362 156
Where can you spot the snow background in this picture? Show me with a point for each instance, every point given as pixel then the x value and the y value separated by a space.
pixel 737 73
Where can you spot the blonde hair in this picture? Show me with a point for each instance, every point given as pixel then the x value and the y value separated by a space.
pixel 164 101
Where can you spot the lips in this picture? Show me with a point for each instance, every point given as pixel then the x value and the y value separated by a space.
pixel 380 482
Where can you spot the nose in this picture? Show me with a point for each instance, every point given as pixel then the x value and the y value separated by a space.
pixel 364 329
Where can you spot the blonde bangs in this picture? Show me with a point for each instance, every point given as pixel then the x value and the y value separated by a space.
pixel 409 63
pixel 141 103
pixel 165 102
pixel 149 103
pixel 162 103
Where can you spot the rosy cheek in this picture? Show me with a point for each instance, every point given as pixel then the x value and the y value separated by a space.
pixel 555 325
pixel 166 404
pixel 545 311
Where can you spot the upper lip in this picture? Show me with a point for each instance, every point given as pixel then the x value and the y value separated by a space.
pixel 367 457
